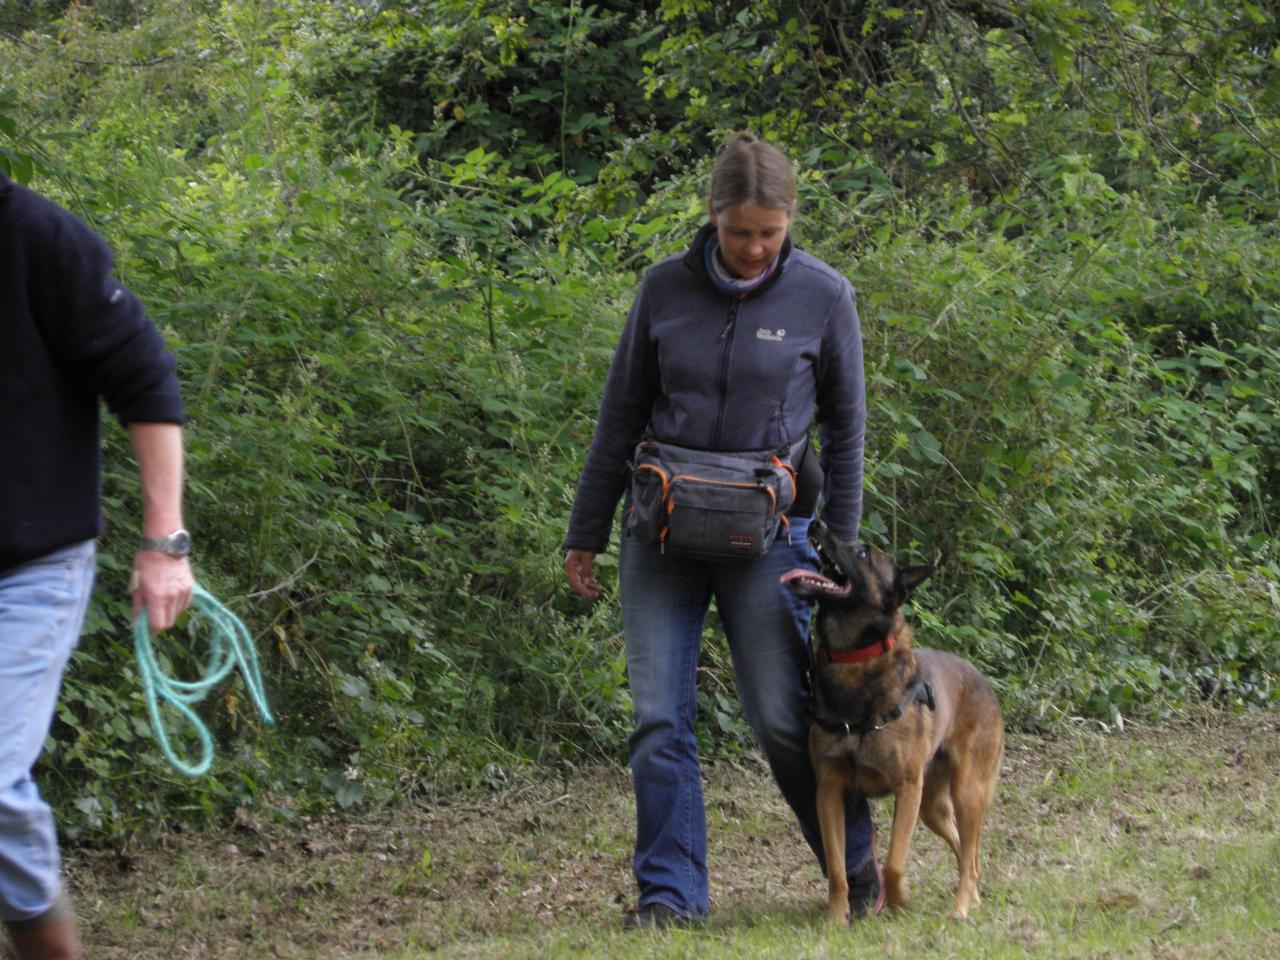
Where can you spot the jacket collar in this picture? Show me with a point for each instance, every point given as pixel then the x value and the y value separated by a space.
pixel 695 258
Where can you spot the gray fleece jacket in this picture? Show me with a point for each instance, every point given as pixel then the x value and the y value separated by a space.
pixel 700 368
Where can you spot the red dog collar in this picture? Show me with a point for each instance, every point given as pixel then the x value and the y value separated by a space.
pixel 861 655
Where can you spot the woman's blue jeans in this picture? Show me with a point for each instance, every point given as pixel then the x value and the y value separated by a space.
pixel 42 605
pixel 664 605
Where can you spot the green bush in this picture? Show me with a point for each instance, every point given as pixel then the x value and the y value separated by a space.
pixel 392 246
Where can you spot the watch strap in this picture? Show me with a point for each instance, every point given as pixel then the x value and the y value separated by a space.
pixel 176 544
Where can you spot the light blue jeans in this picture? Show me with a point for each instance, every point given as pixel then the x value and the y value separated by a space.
pixel 664 605
pixel 42 605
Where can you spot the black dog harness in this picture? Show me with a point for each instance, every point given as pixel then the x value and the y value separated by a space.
pixel 918 690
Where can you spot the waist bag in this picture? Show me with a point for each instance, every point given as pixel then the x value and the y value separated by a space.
pixel 709 504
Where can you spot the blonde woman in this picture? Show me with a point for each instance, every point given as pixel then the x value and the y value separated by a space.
pixel 739 344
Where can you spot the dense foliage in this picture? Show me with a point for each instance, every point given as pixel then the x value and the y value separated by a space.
pixel 392 243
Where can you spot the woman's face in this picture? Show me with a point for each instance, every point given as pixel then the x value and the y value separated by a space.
pixel 750 236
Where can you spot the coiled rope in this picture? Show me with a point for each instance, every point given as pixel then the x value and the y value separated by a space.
pixel 230 646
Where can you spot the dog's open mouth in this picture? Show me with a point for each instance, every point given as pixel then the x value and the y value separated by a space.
pixel 830 582
pixel 814 583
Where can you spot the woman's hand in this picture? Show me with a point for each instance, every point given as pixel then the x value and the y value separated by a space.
pixel 577 567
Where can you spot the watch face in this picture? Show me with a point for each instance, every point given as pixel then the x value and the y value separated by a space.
pixel 180 543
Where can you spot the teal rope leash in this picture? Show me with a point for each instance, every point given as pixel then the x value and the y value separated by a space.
pixel 230 646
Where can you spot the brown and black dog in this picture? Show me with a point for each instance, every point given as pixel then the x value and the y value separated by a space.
pixel 923 725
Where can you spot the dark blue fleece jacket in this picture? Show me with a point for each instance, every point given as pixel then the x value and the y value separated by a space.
pixel 69 335
pixel 704 369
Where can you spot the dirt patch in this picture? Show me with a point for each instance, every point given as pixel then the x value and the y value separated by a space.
pixel 558 853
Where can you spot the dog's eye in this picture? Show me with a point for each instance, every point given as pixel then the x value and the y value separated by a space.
pixel 860 552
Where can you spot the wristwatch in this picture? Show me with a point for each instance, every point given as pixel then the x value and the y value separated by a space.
pixel 176 544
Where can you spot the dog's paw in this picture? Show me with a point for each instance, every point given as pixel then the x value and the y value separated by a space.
pixel 962 906
pixel 967 898
pixel 896 893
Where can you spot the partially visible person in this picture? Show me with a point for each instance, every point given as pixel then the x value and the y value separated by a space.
pixel 738 344
pixel 70 335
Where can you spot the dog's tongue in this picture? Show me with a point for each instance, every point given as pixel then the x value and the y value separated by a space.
pixel 815 582
pixel 797 574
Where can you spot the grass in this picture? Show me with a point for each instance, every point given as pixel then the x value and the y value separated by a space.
pixel 1158 842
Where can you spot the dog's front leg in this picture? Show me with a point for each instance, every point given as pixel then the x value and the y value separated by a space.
pixel 906 810
pixel 830 801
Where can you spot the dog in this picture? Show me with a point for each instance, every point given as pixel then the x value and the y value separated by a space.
pixel 923 725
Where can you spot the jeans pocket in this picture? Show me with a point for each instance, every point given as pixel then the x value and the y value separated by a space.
pixel 44 598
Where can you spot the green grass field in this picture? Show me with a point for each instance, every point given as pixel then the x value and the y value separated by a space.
pixel 1153 842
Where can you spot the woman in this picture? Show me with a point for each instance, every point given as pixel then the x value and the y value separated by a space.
pixel 738 344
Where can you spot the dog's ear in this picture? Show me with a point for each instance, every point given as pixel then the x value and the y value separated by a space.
pixel 911 577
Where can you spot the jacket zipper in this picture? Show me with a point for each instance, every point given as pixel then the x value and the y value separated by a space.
pixel 726 354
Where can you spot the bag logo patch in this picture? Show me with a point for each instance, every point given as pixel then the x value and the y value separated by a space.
pixel 776 337
pixel 741 541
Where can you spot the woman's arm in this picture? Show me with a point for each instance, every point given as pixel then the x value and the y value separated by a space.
pixel 842 418
pixel 625 410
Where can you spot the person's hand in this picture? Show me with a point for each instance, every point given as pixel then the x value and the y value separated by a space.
pixel 162 584
pixel 577 567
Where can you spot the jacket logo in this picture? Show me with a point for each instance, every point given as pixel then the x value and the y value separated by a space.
pixel 763 334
